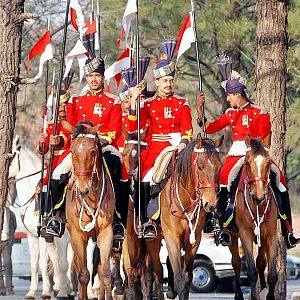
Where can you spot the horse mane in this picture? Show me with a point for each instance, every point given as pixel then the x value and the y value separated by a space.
pixel 81 128
pixel 184 162
pixel 183 166
pixel 257 147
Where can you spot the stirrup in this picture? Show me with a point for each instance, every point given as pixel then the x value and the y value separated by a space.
pixel 224 238
pixel 149 231
pixel 291 241
pixel 118 232
pixel 55 227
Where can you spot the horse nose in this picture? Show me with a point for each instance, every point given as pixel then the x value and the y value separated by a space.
pixel 208 207
pixel 85 192
pixel 258 201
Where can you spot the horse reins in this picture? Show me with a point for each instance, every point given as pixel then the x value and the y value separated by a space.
pixel 88 227
pixel 258 220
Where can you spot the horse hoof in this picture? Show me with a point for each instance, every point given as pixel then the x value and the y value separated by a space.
pixel 45 297
pixel 29 298
pixel 118 296
pixel 171 295
pixel 55 293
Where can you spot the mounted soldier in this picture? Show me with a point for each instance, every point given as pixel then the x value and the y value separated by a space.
pixel 244 118
pixel 170 124
pixel 100 107
pixel 55 224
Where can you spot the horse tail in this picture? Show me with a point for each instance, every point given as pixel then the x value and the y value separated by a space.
pixel 143 254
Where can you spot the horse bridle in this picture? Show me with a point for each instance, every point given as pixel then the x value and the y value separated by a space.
pixel 198 184
pixel 265 180
pixel 93 171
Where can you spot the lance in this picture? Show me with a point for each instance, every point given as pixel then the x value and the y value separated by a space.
pixel 99 26
pixel 61 72
pixel 139 228
pixel 44 122
pixel 43 148
pixel 198 63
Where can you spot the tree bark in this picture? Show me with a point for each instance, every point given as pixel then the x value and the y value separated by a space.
pixel 10 45
pixel 271 75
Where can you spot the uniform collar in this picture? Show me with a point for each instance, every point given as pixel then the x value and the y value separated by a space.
pixel 163 97
pixel 94 93
pixel 243 106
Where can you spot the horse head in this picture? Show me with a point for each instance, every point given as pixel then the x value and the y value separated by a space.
pixel 86 154
pixel 130 151
pixel 257 168
pixel 207 164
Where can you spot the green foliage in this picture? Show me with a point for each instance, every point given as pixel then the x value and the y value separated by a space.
pixel 223 26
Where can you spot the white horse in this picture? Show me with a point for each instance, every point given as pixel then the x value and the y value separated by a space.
pixel 25 168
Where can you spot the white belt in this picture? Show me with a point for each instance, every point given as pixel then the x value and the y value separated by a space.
pixel 238 148
pixel 173 138
pixel 59 152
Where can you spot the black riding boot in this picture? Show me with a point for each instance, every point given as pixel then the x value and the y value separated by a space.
pixel 56 224
pixel 114 165
pixel 287 229
pixel 149 230
pixel 122 209
pixel 224 237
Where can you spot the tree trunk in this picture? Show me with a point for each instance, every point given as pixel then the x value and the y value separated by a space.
pixel 10 44
pixel 271 75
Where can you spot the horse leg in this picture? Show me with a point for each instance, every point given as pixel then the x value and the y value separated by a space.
pixel 271 251
pixel 153 248
pixel 44 260
pixel 79 243
pixel 189 257
pixel 90 253
pixel 236 264
pixel 52 253
pixel 118 279
pixel 252 274
pixel 64 281
pixel 33 243
pixel 173 246
pixel 261 264
pixel 171 294
pixel 104 241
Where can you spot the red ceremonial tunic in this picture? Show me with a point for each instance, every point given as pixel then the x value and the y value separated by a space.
pixel 60 151
pixel 100 108
pixel 170 122
pixel 249 119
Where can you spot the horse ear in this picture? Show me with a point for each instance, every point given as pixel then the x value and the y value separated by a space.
pixel 124 132
pixel 95 129
pixel 219 142
pixel 66 125
pixel 267 141
pixel 199 141
pixel 144 133
pixel 248 141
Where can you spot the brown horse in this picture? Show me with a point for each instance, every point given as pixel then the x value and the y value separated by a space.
pixel 137 253
pixel 190 193
pixel 256 219
pixel 90 207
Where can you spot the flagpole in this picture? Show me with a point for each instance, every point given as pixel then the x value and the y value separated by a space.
pixel 99 26
pixel 61 71
pixel 43 145
pixel 139 227
pixel 198 64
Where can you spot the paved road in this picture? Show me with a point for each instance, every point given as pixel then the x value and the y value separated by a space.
pixel 21 287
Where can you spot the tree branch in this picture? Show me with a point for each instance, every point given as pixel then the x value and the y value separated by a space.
pixel 25 16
